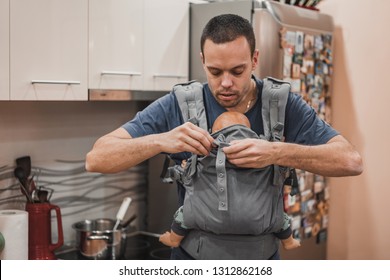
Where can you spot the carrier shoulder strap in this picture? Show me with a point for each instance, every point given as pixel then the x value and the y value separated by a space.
pixel 190 99
pixel 274 99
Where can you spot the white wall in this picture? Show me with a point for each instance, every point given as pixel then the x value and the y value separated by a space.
pixel 359 226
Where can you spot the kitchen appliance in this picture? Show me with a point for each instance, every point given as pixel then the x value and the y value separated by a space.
pixel 40 244
pixel 140 245
pixel 295 45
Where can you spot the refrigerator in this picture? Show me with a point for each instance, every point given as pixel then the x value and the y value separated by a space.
pixel 295 45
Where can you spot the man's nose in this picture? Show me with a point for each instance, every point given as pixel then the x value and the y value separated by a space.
pixel 226 80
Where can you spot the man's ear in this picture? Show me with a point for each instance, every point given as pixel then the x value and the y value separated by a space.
pixel 255 59
pixel 201 57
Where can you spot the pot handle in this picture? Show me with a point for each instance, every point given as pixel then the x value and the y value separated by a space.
pixel 98 237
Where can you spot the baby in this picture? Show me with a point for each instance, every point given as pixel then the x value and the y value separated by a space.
pixel 179 230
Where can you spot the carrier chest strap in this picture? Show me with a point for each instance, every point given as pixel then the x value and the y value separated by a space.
pixel 221 174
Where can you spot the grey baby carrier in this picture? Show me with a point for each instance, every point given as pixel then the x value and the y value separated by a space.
pixel 223 199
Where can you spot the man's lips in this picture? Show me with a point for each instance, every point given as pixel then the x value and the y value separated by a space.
pixel 226 96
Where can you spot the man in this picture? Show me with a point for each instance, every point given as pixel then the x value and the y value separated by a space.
pixel 229 57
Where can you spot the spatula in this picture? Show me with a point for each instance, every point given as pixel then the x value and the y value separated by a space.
pixel 122 211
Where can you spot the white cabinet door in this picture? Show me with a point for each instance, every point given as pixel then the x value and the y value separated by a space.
pixel 116 44
pixel 48 49
pixel 166 43
pixel 4 49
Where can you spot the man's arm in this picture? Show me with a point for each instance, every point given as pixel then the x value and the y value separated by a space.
pixel 335 158
pixel 118 151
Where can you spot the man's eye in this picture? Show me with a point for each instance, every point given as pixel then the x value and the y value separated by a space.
pixel 215 72
pixel 237 72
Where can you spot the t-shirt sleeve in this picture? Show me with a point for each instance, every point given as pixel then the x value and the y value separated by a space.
pixel 160 116
pixel 303 126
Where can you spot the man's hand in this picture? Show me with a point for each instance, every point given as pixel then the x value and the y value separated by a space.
pixel 187 138
pixel 250 153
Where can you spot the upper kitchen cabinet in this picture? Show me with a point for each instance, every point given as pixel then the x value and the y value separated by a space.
pixel 48 50
pixel 4 50
pixel 116 44
pixel 138 44
pixel 166 43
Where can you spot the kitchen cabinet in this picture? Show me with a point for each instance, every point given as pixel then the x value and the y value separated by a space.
pixel 116 44
pixel 4 50
pixel 166 43
pixel 137 44
pixel 48 49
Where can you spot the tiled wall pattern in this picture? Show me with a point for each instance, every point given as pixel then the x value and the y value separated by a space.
pixel 57 136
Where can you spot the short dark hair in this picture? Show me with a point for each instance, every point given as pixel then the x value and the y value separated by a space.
pixel 226 28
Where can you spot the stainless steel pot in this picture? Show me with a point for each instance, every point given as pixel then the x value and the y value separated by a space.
pixel 96 239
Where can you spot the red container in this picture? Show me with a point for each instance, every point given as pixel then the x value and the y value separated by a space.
pixel 40 245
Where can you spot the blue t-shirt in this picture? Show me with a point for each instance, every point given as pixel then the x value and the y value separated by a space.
pixel 302 125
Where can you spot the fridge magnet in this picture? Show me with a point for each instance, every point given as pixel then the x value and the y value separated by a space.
pixel 307 231
pixel 326 192
pixel 299 42
pixel 318 43
pixel 297 58
pixel 290 38
pixel 295 71
pixel 308 66
pixel 318 186
pixel 311 205
pixel 309 80
pixel 318 83
pixel 306 195
pixel 327 40
pixel 318 70
pixel 322 207
pixel 309 179
pixel 325 69
pixel 321 236
pixel 282 37
pixel 296 85
pixel 325 221
pixel 287 61
pixel 296 233
pixel 315 229
pixel 309 45
pixel 296 222
pixel 294 203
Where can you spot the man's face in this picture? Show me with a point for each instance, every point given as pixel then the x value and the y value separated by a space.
pixel 229 67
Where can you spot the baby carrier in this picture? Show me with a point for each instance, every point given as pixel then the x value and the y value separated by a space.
pixel 224 199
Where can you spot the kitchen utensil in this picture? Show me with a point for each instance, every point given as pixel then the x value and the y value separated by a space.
pixel 122 211
pixel 96 240
pixel 25 163
pixel 40 244
pixel 21 175
pixel 127 223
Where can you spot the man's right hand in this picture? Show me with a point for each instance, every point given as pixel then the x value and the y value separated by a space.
pixel 187 138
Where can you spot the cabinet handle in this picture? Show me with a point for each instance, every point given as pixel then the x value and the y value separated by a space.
pixel 55 82
pixel 169 76
pixel 121 73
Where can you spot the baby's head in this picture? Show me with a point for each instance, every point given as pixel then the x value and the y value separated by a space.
pixel 230 118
